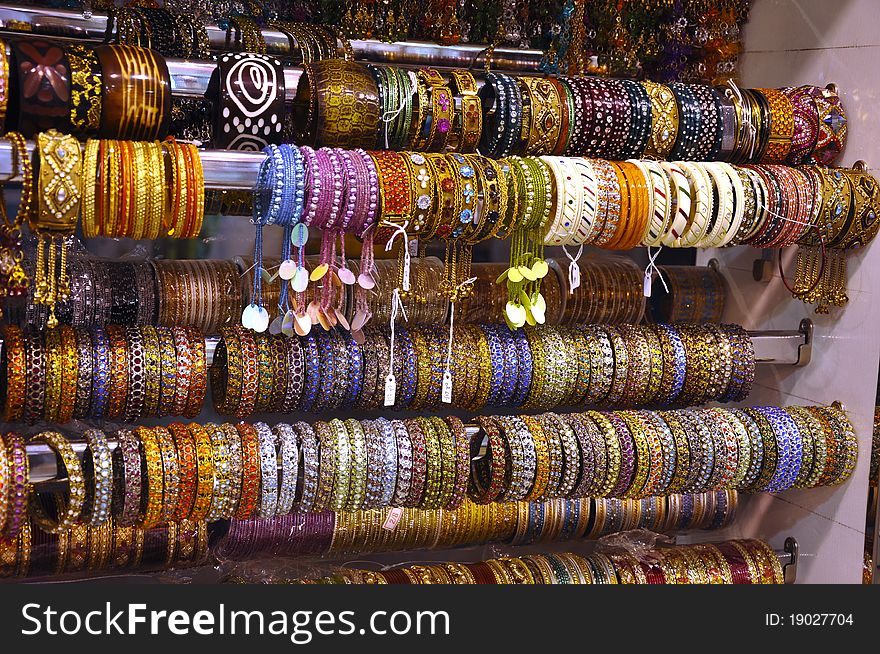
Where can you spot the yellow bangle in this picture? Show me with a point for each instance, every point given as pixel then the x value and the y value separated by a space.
pixel 68 511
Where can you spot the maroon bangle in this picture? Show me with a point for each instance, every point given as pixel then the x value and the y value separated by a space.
pixel 485 486
pixel 396 577
pixel 583 126
pixel 419 463
pixel 482 573
pixel 43 98
pixel 127 471
pixel 462 462
pixel 627 455
pixel 35 379
pixel 622 113
pixel 16 498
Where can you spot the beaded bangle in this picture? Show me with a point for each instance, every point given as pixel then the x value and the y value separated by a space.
pixel 203 483
pixel 221 505
pixel 268 457
pixel 359 462
pixel 15 377
pixel 310 466
pixel 17 498
pixel 770 451
pixel 288 461
pixel 326 481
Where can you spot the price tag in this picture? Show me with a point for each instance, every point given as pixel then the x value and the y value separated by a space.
pixel 390 390
pixel 647 285
pixel 406 273
pixel 413 247
pixel 574 276
pixel 447 388
pixel 392 518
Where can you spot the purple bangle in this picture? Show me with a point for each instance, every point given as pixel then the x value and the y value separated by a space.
pixel 371 215
pixel 18 486
pixel 127 469
pixel 336 188
pixel 313 184
pixel 295 375
pixel 627 454
pixel 350 194
pixel 363 182
pixel 622 113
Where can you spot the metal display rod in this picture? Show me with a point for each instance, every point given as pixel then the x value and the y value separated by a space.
pixel 69 23
pixel 778 348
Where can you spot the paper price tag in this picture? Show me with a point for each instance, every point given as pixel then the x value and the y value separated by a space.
pixel 413 247
pixel 406 273
pixel 647 285
pixel 574 276
pixel 390 390
pixel 392 518
pixel 446 396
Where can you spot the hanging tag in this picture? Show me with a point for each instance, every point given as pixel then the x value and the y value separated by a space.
pixel 390 390
pixel 574 276
pixel 406 273
pixel 392 518
pixel 413 247
pixel 446 395
pixel 647 284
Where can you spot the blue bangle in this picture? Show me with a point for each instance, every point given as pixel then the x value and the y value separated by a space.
pixel 524 378
pixel 511 366
pixel 326 353
pixel 355 378
pixel 496 359
pixel 389 453
pixel 313 373
pixel 789 448
pixel 269 188
pixel 406 385
pixel 679 363
pixel 686 515
pixel 699 439
pixel 721 508
pixel 100 372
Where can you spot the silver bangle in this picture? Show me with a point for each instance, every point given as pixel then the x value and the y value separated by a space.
pixel 102 477
pixel 268 471
pixel 289 455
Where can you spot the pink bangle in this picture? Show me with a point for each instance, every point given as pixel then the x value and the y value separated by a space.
pixel 351 196
pixel 313 184
pixel 371 215
pixel 16 497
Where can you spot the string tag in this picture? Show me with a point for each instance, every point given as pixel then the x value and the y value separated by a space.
pixel 400 230
pixel 390 389
pixel 446 395
pixel 392 518
pixel 650 270
pixel 574 270
pixel 390 380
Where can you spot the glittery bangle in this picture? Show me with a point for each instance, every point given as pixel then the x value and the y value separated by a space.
pixel 98 472
pixel 15 365
pixel 35 361
pixel 310 465
pixel 327 478
pixel 419 463
pixel 221 497
pixel 251 471
pixel 375 461
pixel 17 497
pixel 52 375
pixel 404 463
pixel 357 439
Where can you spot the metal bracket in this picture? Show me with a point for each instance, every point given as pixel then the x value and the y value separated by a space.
pixel 791 551
pixel 794 348
pixel 762 269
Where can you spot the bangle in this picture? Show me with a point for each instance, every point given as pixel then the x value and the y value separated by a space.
pixel 48 105
pixel 433 467
pixel 251 470
pixel 15 502
pixel 69 508
pixel 136 94
pixel 268 461
pixel 98 471
pixel 404 463
pixel 310 465
pixel 14 362
pixel 358 444
pixel 251 94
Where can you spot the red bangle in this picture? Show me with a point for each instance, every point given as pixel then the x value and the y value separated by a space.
pixel 483 490
pixel 15 378
pixel 419 463
pixel 462 462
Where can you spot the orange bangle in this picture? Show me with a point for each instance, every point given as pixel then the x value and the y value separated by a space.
pixel 250 473
pixel 170 473
pixel 118 371
pixel 625 208
pixel 249 372
pixel 155 480
pixel 204 470
pixel 69 373
pixel 639 217
pixel 186 468
pixel 131 193
pixel 13 352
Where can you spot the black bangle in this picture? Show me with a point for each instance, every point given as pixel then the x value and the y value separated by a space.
pixel 250 114
pixel 640 119
pixel 710 122
pixel 124 293
pixel 162 29
pixel 501 128
pixel 41 99
pixel 689 124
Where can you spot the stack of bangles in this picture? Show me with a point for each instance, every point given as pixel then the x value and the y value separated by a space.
pixel 160 474
pixel 86 550
pixel 729 562
pixel 513 523
pixel 117 373
pixel 491 365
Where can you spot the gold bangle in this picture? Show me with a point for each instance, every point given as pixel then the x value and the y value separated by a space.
pixel 155 477
pixel 70 509
pixel 53 374
pixel 664 120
